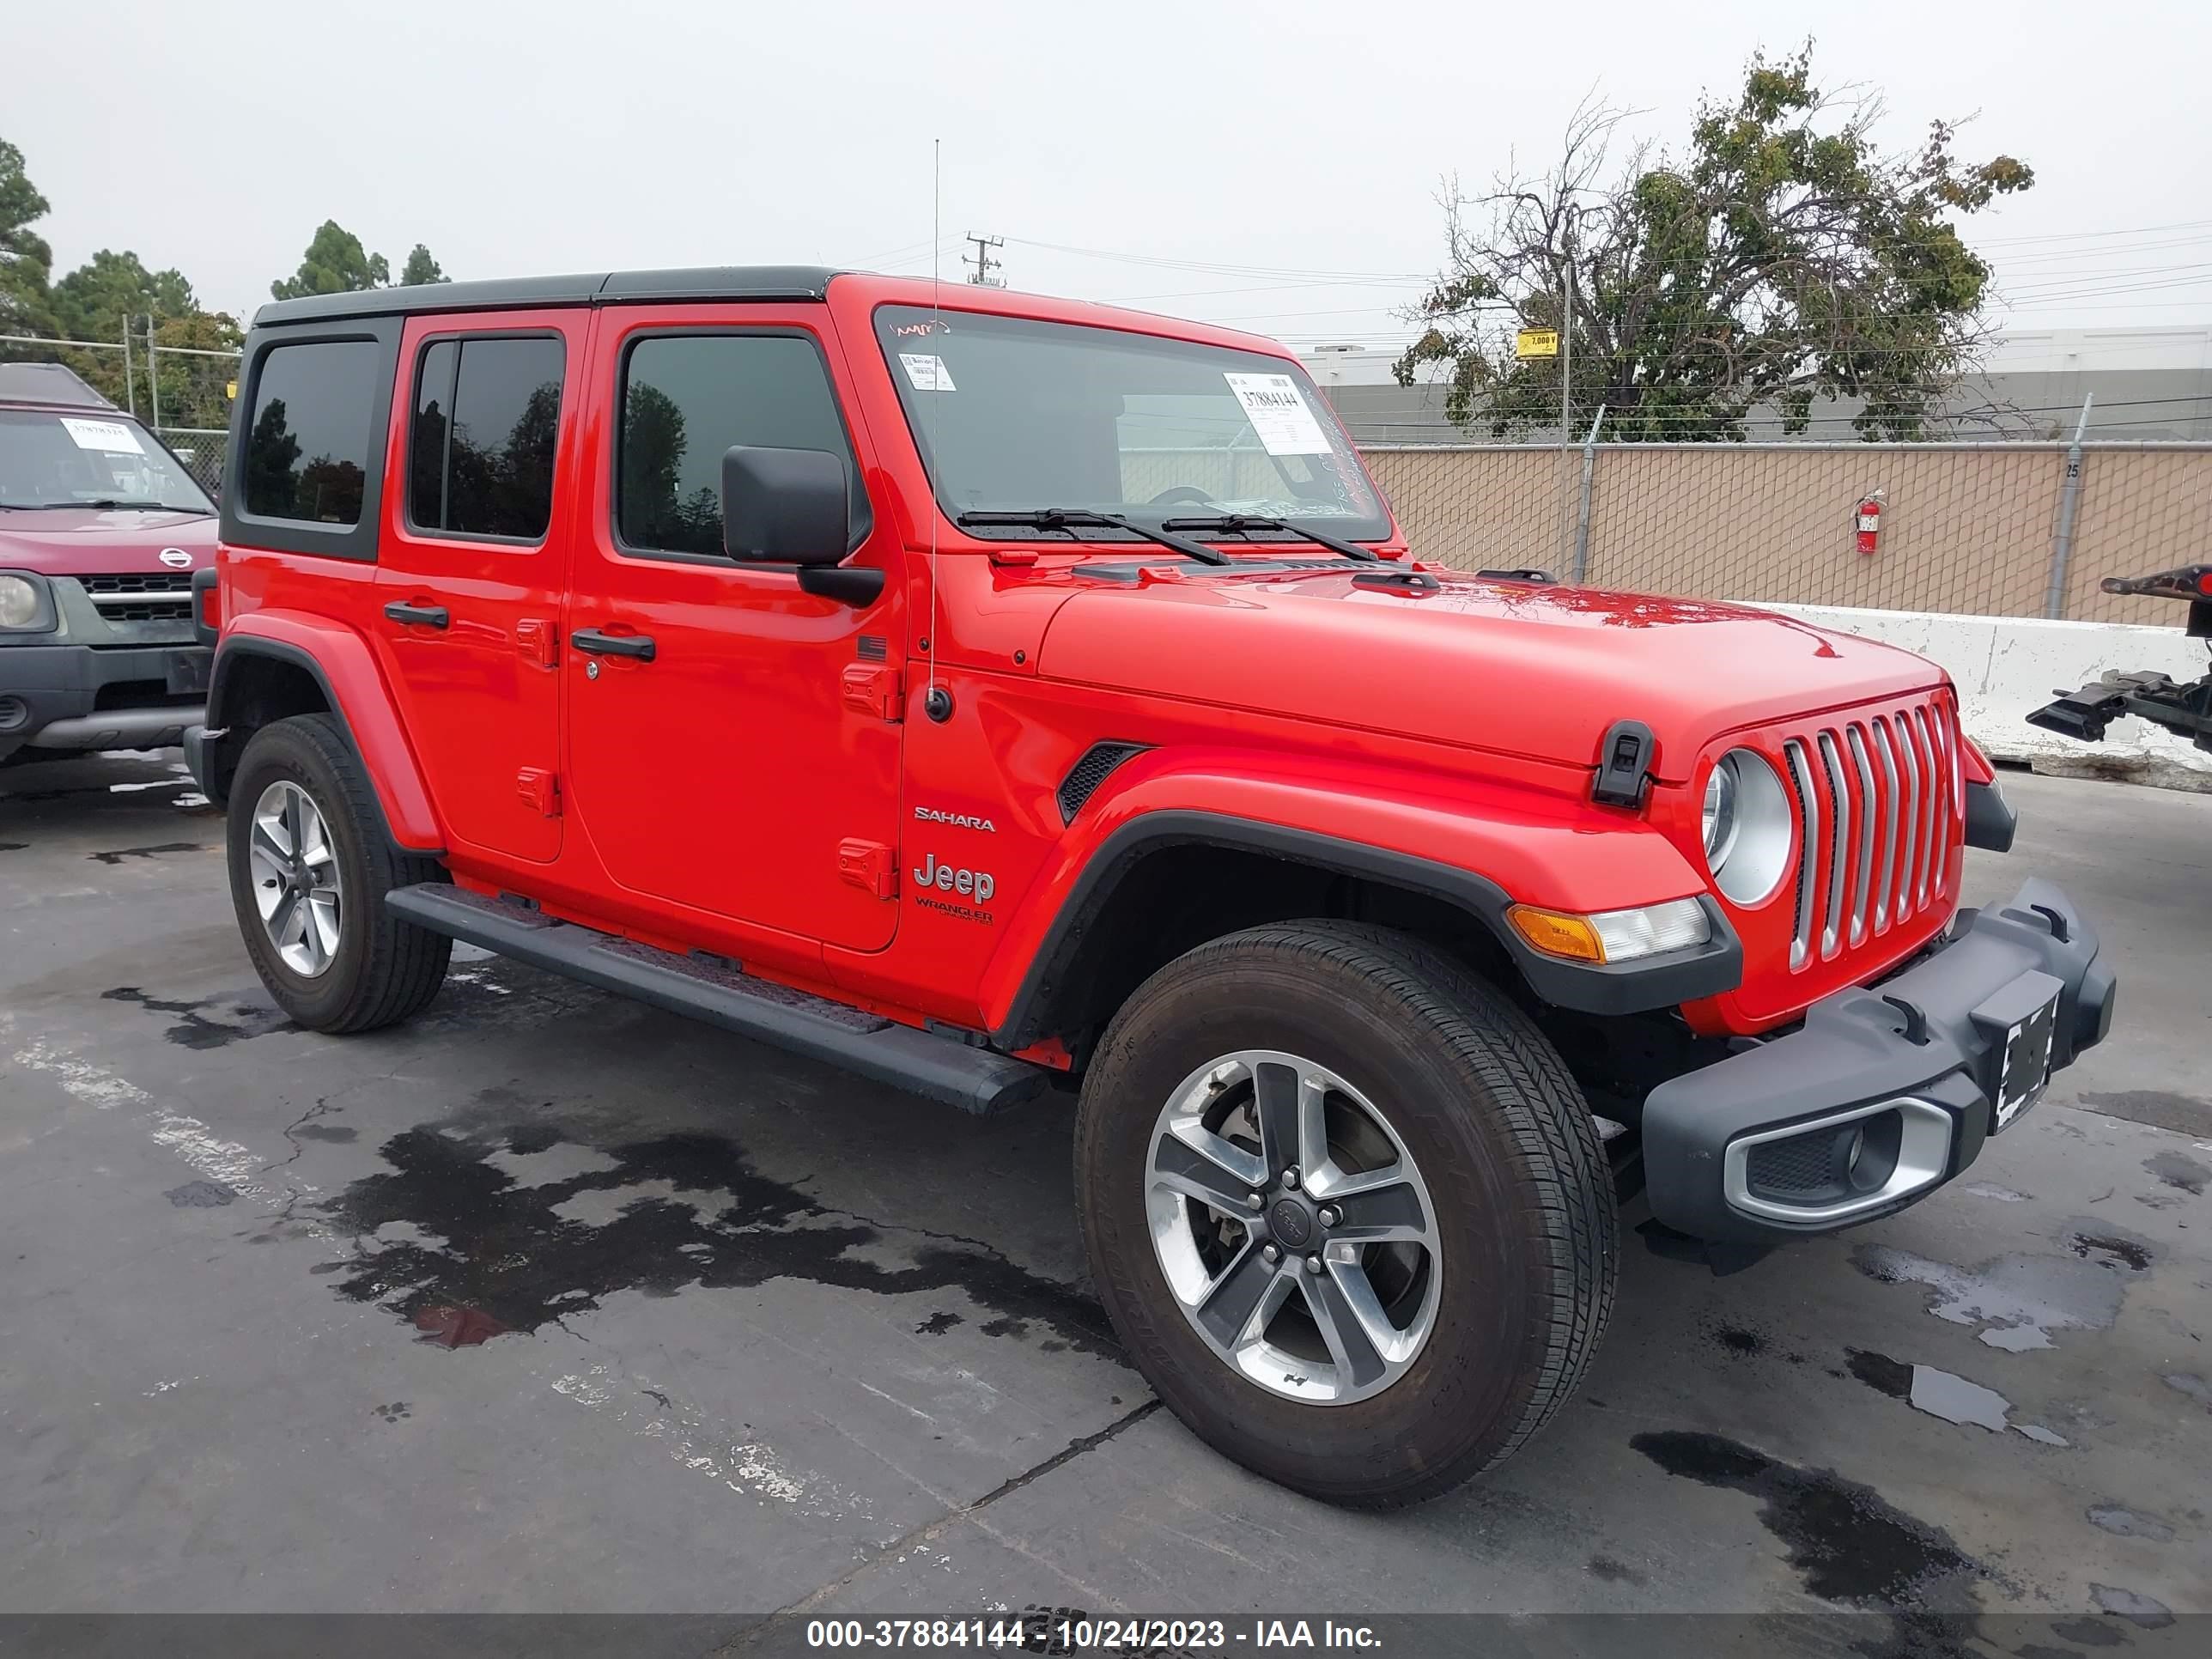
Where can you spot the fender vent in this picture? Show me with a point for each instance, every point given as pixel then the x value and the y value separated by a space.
pixel 1084 778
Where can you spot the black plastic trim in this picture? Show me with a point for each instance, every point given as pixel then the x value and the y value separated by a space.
pixel 941 1069
pixel 757 284
pixel 203 583
pixel 856 584
pixel 1990 820
pixel 1625 988
pixel 207 747
pixel 1106 756
pixel 1625 764
pixel 1930 1033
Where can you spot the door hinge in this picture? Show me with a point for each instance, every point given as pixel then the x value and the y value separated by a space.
pixel 541 788
pixel 868 865
pixel 874 690
pixel 537 641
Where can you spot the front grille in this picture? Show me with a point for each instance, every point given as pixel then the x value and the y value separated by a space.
pixel 151 581
pixel 1878 813
pixel 142 596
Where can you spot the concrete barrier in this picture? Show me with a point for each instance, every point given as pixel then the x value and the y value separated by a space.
pixel 2005 667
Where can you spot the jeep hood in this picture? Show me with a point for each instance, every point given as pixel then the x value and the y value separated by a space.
pixel 82 541
pixel 1514 668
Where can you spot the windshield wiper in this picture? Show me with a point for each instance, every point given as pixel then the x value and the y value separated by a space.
pixel 1077 518
pixel 1228 523
pixel 107 502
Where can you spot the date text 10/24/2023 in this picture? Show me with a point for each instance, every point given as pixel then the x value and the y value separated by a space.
pixel 1065 1631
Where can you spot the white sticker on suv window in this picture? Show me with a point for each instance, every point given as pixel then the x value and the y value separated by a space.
pixel 108 437
pixel 1278 414
pixel 927 372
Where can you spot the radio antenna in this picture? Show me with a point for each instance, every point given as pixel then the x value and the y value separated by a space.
pixel 936 704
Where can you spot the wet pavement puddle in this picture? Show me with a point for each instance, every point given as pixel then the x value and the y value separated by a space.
pixel 464 1241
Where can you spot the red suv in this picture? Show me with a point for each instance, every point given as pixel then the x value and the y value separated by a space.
pixel 101 532
pixel 969 687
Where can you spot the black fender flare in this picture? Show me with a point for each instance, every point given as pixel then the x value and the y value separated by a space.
pixel 1610 989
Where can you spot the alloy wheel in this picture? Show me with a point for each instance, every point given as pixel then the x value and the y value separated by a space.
pixel 295 878
pixel 1293 1227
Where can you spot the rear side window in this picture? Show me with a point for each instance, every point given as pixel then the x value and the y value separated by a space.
pixel 482 438
pixel 686 399
pixel 307 448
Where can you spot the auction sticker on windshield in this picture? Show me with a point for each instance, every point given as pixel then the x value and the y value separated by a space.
pixel 927 372
pixel 108 437
pixel 1278 414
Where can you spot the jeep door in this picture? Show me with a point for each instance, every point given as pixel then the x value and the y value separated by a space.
pixel 748 767
pixel 470 567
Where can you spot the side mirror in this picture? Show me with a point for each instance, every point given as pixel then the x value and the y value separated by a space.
pixel 784 506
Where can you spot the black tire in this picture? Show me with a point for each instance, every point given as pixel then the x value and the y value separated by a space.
pixel 383 970
pixel 1524 1205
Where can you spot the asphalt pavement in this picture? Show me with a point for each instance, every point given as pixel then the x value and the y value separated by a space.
pixel 549 1302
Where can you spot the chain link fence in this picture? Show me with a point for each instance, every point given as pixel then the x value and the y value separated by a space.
pixel 190 392
pixel 2004 529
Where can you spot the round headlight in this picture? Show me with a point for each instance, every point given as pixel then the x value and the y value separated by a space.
pixel 19 601
pixel 1720 811
pixel 1747 827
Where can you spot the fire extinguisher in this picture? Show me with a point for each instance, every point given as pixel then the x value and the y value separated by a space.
pixel 1866 521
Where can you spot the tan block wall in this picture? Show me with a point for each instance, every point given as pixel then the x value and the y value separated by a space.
pixel 1964 530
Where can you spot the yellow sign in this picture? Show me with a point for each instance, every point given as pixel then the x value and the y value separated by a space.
pixel 230 390
pixel 1536 342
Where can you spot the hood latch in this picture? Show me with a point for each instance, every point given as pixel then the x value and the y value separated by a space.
pixel 1624 764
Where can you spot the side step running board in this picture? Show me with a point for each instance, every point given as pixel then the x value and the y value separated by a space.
pixel 941 1068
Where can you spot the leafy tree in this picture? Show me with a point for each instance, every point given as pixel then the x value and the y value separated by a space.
pixel 420 268
pixel 272 458
pixel 1784 256
pixel 92 300
pixel 26 261
pixel 97 301
pixel 335 263
pixel 194 388
pixel 653 442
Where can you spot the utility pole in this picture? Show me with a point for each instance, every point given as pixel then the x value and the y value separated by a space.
pixel 1567 373
pixel 1567 334
pixel 982 266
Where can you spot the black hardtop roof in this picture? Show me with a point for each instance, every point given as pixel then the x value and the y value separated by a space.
pixel 48 383
pixel 595 288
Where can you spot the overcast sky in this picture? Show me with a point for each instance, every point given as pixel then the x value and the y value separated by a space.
pixel 1274 166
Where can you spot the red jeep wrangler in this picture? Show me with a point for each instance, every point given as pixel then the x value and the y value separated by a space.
pixel 969 688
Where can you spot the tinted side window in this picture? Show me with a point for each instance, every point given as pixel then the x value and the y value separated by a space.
pixel 307 450
pixel 480 448
pixel 687 397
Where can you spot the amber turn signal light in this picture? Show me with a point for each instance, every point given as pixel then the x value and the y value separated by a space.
pixel 1557 934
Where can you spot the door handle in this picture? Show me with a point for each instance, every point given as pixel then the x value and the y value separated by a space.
pixel 423 615
pixel 592 643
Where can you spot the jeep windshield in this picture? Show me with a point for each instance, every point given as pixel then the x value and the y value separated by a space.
pixel 1014 416
pixel 50 461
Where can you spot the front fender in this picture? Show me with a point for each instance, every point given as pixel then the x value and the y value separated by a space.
pixel 342 664
pixel 1479 847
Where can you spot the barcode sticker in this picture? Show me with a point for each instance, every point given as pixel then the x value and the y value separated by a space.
pixel 108 437
pixel 927 372
pixel 1278 414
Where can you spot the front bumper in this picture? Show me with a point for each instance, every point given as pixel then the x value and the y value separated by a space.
pixel 1884 1093
pixel 51 696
